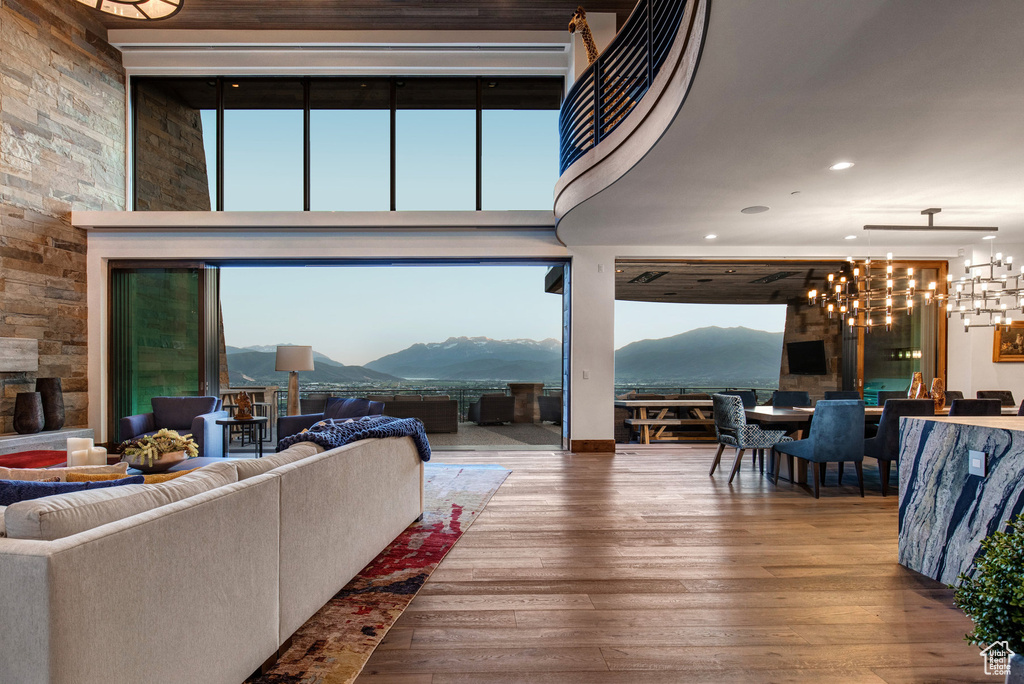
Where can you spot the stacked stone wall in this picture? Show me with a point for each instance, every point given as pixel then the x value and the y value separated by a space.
pixel 805 323
pixel 62 147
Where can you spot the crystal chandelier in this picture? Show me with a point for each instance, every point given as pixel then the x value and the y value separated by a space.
pixel 982 291
pixel 872 296
pixel 136 9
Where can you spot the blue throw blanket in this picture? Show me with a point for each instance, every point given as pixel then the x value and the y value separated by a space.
pixel 330 433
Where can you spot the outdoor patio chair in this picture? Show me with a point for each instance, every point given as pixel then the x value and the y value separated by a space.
pixel 975 407
pixel 837 434
pixel 334 407
pixel 493 408
pixel 885 446
pixel 731 429
pixel 1004 396
pixel 195 416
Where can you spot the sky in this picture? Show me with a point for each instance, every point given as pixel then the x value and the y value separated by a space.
pixel 366 312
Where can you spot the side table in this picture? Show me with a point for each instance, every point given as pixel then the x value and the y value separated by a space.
pixel 253 427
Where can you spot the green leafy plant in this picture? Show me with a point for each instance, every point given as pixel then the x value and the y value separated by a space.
pixel 994 597
pixel 147 450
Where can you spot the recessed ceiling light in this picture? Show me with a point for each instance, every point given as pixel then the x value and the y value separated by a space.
pixel 756 209
pixel 840 166
pixel 989 237
pixel 850 237
pixel 710 236
pixel 730 270
pixel 618 270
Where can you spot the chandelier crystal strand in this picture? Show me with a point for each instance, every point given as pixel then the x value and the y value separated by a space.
pixel 986 290
pixel 864 294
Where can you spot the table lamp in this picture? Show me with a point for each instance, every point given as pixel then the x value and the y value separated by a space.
pixel 294 358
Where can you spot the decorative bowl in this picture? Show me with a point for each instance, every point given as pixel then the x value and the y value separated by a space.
pixel 165 462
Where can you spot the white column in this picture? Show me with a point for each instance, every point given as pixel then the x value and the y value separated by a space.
pixel 592 348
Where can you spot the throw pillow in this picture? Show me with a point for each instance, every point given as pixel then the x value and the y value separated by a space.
pixel 13 491
pixel 37 474
pixel 94 477
pixel 157 478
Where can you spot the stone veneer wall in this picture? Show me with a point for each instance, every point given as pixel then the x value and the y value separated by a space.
pixel 170 160
pixel 62 137
pixel 804 323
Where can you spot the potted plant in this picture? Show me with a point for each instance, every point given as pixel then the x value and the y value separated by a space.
pixel 160 451
pixel 994 597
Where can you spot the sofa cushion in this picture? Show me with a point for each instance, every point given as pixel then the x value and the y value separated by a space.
pixel 94 477
pixel 13 491
pixel 47 473
pixel 157 478
pixel 176 413
pixel 251 467
pixel 61 516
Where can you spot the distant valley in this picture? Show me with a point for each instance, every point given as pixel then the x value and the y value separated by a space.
pixel 709 356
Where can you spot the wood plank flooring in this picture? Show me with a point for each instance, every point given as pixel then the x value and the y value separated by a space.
pixel 641 568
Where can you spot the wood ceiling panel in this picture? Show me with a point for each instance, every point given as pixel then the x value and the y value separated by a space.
pixel 722 282
pixel 364 15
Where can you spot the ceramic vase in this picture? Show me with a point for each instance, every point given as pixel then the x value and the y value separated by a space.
pixel 938 393
pixel 28 413
pixel 916 390
pixel 53 402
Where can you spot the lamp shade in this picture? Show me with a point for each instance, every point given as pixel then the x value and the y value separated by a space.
pixel 294 358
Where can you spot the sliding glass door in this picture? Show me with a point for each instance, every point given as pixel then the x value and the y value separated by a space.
pixel 163 326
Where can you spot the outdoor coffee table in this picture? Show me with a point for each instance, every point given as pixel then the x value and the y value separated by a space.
pixel 251 427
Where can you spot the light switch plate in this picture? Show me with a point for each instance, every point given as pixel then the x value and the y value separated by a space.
pixel 977 462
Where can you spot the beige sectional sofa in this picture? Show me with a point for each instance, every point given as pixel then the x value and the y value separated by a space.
pixel 200 579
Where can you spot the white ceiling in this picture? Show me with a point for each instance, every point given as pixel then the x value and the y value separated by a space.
pixel 925 96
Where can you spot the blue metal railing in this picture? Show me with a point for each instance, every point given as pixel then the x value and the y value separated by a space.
pixel 610 87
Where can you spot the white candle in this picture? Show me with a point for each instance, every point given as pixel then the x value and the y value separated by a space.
pixel 98 456
pixel 78 444
pixel 78 457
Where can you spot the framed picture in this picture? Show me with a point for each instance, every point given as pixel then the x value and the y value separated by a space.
pixel 1008 345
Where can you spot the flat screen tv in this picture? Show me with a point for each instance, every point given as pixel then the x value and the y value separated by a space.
pixel 807 358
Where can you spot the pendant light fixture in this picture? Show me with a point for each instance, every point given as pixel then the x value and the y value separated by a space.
pixel 146 10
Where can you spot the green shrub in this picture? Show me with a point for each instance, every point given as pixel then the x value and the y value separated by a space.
pixel 994 597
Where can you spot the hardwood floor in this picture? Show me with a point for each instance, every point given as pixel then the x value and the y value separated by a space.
pixel 641 568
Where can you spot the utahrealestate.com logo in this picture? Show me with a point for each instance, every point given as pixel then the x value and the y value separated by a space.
pixel 997 658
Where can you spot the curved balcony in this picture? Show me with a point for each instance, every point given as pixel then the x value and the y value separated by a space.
pixel 635 86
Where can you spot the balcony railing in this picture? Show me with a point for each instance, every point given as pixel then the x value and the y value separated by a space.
pixel 610 87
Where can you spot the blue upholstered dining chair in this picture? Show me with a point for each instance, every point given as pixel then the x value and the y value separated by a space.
pixel 749 397
pixel 837 434
pixel 975 407
pixel 885 446
pixel 789 398
pixel 731 429
pixel 841 394
pixel 1004 396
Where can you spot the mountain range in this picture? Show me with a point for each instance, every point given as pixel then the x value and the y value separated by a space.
pixel 711 356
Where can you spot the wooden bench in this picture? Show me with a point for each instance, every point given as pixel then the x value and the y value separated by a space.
pixel 645 425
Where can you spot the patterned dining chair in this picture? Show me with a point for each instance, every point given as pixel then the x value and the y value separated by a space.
pixel 731 429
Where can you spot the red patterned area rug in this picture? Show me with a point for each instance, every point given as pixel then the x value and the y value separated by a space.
pixel 334 645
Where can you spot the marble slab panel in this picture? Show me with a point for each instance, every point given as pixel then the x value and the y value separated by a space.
pixel 944 511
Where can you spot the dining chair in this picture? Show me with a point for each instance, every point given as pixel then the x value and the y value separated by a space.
pixel 885 446
pixel 788 398
pixel 886 395
pixel 953 394
pixel 749 397
pixel 731 429
pixel 1004 396
pixel 975 407
pixel 841 394
pixel 837 434
pixel 1020 409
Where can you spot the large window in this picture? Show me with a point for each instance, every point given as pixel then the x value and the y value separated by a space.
pixel 345 144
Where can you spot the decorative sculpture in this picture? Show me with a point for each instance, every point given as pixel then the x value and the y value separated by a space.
pixel 917 390
pixel 579 22
pixel 53 402
pixel 28 413
pixel 244 406
pixel 938 393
